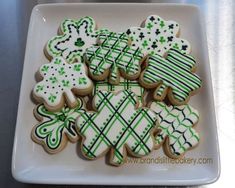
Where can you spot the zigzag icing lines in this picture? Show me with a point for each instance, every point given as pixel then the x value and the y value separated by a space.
pixel 176 124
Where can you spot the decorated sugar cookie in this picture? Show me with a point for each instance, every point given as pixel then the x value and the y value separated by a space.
pixel 171 76
pixel 56 128
pixel 157 36
pixel 176 131
pixel 75 36
pixel 124 84
pixel 60 82
pixel 113 57
pixel 118 126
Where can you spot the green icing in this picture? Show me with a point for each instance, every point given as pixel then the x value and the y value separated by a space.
pixel 157 36
pixel 114 55
pixel 60 80
pixel 116 124
pixel 55 127
pixel 124 84
pixel 173 72
pixel 176 124
pixel 77 36
pixel 79 42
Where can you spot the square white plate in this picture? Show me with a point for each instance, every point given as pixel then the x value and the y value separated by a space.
pixel 30 163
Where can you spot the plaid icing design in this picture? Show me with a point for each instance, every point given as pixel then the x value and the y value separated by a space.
pixel 176 124
pixel 114 54
pixel 117 124
pixel 173 72
pixel 124 84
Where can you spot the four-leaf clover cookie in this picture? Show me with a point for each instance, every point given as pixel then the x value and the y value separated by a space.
pixel 176 131
pixel 113 57
pixel 56 128
pixel 60 82
pixel 118 126
pixel 75 36
pixel 157 36
pixel 172 76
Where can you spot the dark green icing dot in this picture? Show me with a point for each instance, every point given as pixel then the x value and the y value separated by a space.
pixel 79 42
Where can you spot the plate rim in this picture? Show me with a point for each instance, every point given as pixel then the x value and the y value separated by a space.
pixel 37 8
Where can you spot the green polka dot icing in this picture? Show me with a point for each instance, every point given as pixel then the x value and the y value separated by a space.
pixel 77 36
pixel 171 75
pixel 56 128
pixel 62 80
pixel 114 55
pixel 117 124
pixel 176 130
pixel 157 36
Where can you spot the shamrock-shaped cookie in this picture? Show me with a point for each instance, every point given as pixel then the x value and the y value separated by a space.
pixel 118 125
pixel 172 76
pixel 176 130
pixel 112 57
pixel 56 128
pixel 124 84
pixel 60 82
pixel 75 36
pixel 157 36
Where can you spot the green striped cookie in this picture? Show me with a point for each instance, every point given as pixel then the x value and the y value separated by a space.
pixel 56 128
pixel 117 125
pixel 176 130
pixel 171 76
pixel 112 57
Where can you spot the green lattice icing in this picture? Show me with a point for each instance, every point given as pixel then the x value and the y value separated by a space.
pixel 117 124
pixel 56 128
pixel 158 36
pixel 76 37
pixel 60 79
pixel 176 125
pixel 124 84
pixel 172 75
pixel 114 55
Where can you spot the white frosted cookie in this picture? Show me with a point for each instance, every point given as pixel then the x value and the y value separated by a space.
pixel 118 126
pixel 157 36
pixel 61 81
pixel 114 57
pixel 75 36
pixel 176 132
pixel 172 76
pixel 55 129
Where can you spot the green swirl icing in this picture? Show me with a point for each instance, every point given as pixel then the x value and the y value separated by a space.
pixel 55 127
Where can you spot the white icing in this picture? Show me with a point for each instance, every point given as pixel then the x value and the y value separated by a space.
pixel 67 78
pixel 157 33
pixel 125 112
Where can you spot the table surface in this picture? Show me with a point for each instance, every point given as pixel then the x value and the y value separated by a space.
pixel 219 18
